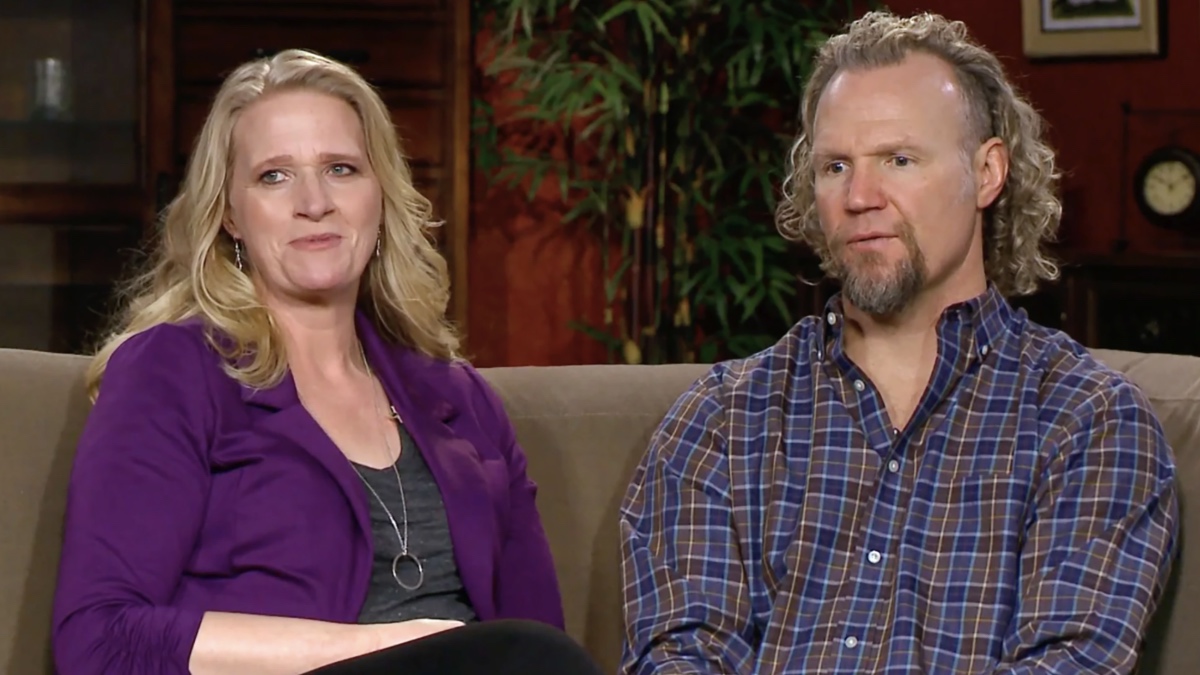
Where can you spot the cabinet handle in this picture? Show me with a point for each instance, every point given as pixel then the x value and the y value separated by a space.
pixel 353 57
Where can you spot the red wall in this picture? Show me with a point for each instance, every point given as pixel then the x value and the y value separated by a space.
pixel 1081 99
pixel 530 276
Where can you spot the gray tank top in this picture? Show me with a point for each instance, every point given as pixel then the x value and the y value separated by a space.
pixel 441 595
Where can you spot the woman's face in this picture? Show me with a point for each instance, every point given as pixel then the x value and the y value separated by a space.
pixel 303 198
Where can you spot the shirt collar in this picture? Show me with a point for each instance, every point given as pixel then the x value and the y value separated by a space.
pixel 988 314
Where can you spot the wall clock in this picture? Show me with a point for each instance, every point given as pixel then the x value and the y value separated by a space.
pixel 1166 187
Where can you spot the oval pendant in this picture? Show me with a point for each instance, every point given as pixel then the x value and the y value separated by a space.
pixel 415 562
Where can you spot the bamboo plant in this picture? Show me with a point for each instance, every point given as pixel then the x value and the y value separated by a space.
pixel 676 116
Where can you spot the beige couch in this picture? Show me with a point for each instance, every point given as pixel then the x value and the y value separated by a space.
pixel 584 428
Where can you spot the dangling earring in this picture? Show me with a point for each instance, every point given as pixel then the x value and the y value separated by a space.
pixel 378 239
pixel 237 253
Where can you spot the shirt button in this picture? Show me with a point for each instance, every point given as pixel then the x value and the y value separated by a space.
pixel 895 432
pixel 831 318
pixel 874 557
pixel 894 466
pixel 859 385
pixel 983 351
pixel 850 642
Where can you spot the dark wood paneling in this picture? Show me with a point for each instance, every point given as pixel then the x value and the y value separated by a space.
pixel 158 95
pixel 65 204
pixel 423 126
pixel 400 53
pixel 291 6
pixel 458 202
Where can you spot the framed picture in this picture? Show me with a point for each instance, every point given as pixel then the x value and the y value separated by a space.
pixel 1062 28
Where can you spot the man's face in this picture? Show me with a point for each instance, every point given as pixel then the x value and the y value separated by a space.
pixel 896 192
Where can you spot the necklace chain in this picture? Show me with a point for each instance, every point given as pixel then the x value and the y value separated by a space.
pixel 402 538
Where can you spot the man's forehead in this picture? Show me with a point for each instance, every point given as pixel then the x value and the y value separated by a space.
pixel 915 77
pixel 905 94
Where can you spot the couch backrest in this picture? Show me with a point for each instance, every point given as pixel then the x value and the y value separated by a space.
pixel 584 429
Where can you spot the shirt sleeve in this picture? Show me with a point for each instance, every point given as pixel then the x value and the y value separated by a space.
pixel 526 581
pixel 686 596
pixel 1100 543
pixel 137 494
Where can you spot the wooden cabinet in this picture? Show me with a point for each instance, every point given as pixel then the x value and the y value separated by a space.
pixel 1135 303
pixel 73 181
pixel 100 103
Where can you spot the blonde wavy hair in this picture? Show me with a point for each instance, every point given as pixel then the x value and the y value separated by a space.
pixel 191 271
pixel 1025 216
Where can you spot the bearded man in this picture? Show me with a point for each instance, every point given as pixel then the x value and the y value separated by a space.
pixel 920 480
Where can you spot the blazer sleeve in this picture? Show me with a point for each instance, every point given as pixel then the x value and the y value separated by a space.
pixel 526 582
pixel 136 499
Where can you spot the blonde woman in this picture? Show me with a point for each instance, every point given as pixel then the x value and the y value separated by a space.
pixel 287 468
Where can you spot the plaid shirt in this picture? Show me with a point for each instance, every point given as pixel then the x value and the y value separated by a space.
pixel 1023 522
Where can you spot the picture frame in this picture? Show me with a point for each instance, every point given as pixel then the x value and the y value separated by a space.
pixel 1074 28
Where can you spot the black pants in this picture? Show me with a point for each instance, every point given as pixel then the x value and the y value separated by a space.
pixel 488 648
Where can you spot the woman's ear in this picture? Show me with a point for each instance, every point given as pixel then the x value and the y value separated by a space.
pixel 230 228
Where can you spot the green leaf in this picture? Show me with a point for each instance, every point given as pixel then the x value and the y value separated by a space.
pixel 755 248
pixel 778 299
pixel 616 10
pixel 721 305
pixel 610 341
pixel 613 283
pixel 571 78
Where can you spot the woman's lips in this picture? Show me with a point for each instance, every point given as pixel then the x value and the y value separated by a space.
pixel 317 242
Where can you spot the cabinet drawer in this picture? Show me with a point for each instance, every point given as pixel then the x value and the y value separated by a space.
pixel 419 120
pixel 412 51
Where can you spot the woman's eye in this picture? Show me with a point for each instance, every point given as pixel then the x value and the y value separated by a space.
pixel 342 169
pixel 272 176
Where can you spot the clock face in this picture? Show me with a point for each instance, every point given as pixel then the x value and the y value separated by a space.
pixel 1169 187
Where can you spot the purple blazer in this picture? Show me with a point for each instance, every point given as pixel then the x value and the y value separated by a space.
pixel 190 493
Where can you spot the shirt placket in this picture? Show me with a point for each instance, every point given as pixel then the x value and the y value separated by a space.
pixel 864 613
pixel 859 610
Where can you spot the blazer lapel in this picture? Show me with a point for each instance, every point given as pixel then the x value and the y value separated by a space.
pixel 410 382
pixel 287 418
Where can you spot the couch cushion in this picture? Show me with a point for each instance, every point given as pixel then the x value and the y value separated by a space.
pixel 584 429
pixel 42 409
pixel 1172 383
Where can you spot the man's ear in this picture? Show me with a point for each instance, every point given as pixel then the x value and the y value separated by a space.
pixel 991 171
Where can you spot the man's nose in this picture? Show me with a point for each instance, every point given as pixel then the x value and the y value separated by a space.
pixel 864 190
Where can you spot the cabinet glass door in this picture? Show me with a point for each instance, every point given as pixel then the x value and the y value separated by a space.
pixel 71 195
pixel 68 91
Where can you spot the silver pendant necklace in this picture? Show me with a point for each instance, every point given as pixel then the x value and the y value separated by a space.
pixel 404 561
